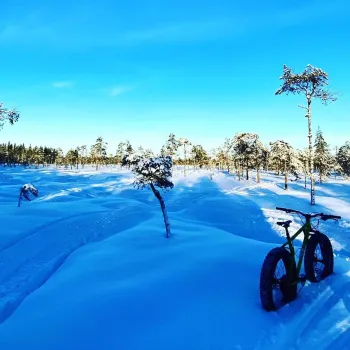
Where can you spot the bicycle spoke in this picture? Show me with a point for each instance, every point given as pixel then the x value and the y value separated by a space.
pixel 319 264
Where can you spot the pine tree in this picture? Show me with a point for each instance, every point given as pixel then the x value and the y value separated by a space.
pixel 72 157
pixel 312 83
pixel 200 156
pixel 282 154
pixel 153 172
pixel 248 152
pixel 10 115
pixel 99 152
pixel 120 152
pixel 323 158
pixel 185 143
pixel 343 158
pixel 171 146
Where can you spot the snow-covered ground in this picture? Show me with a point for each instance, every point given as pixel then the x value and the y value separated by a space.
pixel 86 265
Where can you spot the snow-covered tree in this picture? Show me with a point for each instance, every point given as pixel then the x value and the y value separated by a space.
pixel 120 152
pixel 25 192
pixel 72 157
pixel 343 158
pixel 171 146
pixel 153 172
pixel 99 151
pixel 83 156
pixel 248 152
pixel 185 144
pixel 59 157
pixel 324 161
pixel 312 83
pixel 226 153
pixel 9 115
pixel 199 156
pixel 303 159
pixel 282 155
pixel 128 147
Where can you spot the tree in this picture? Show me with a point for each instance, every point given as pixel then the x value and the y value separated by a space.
pixel 82 154
pixel 10 115
pixel 99 151
pixel 226 153
pixel 282 152
pixel 72 157
pixel 312 83
pixel 343 158
pixel 303 158
pixel 248 152
pixel 200 156
pixel 171 146
pixel 60 157
pixel 120 152
pixel 185 143
pixel 324 161
pixel 153 172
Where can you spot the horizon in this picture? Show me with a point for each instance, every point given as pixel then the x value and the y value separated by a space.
pixel 79 71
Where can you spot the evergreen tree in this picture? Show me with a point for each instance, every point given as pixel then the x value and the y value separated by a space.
pixel 324 161
pixel 153 172
pixel 72 157
pixel 343 158
pixel 171 146
pixel 10 115
pixel 200 156
pixel 99 152
pixel 283 156
pixel 120 152
pixel 248 152
pixel 312 83
pixel 59 157
pixel 185 144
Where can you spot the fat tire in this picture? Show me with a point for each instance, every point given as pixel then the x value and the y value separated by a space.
pixel 267 277
pixel 327 254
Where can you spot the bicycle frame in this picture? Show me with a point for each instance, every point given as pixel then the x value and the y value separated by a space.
pixel 306 229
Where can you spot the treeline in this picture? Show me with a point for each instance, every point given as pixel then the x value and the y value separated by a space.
pixel 240 154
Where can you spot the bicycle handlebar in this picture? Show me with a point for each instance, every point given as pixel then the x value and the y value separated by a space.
pixel 322 216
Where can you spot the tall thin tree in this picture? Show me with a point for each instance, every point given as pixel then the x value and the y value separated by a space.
pixel 312 83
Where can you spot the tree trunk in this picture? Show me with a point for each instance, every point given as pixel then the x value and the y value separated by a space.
pixel 184 161
pixel 165 214
pixel 247 171
pixel 258 174
pixel 311 155
pixel 285 176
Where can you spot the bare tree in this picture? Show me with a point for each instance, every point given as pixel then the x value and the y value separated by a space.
pixel 312 83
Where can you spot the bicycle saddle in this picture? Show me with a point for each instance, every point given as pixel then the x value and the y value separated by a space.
pixel 284 223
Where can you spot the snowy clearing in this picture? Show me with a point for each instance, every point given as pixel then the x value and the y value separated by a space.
pixel 86 264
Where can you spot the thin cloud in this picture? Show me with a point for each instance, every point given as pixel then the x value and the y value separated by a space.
pixel 64 34
pixel 62 84
pixel 117 90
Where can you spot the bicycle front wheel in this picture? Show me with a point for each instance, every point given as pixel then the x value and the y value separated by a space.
pixel 318 260
pixel 277 273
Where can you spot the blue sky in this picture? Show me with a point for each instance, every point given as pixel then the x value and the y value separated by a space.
pixel 142 69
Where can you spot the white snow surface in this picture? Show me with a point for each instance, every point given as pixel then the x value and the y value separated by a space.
pixel 86 264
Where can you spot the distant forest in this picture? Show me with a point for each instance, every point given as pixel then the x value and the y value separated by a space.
pixel 240 154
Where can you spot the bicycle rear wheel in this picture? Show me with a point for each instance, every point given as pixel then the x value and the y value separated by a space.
pixel 277 271
pixel 318 260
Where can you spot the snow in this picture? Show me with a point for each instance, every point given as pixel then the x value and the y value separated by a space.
pixel 86 265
